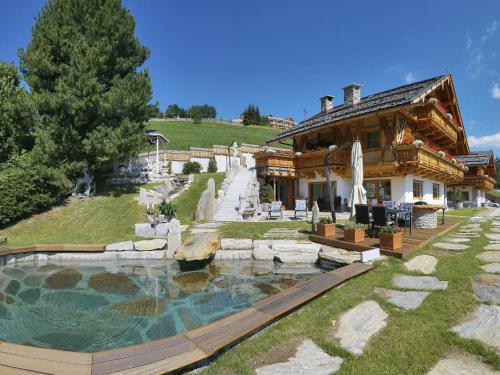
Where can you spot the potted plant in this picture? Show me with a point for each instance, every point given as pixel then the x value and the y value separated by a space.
pixel 391 238
pixel 168 210
pixel 325 227
pixel 354 232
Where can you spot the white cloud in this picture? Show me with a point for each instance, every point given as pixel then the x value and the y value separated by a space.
pixel 410 77
pixel 476 64
pixel 485 141
pixel 495 91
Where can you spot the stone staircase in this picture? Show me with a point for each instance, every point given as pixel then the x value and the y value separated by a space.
pixel 228 209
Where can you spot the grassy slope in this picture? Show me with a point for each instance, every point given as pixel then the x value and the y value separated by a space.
pixel 466 212
pixel 184 134
pixel 412 342
pixel 109 217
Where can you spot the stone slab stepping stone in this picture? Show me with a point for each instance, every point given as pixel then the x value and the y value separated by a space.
pixel 495 229
pixel 467 235
pixel 208 225
pixel 487 288
pixel 491 267
pixel 404 300
pixel 482 324
pixel 422 263
pixel 492 246
pixel 419 282
pixel 472 226
pixel 309 359
pixel 450 246
pixel 356 326
pixel 493 236
pixel 470 230
pixel 461 365
pixel 458 240
pixel 120 246
pixel 489 256
pixel 203 230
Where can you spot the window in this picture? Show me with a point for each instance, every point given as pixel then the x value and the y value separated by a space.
pixel 372 140
pixel 418 189
pixel 379 190
pixel 436 191
pixel 465 196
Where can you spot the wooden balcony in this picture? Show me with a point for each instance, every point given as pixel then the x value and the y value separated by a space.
pixel 483 182
pixel 426 162
pixel 287 164
pixel 275 164
pixel 433 122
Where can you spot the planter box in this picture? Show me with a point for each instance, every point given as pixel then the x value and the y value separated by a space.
pixel 325 230
pixel 354 235
pixel 391 241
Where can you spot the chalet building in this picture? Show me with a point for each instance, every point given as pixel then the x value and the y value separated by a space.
pixel 281 123
pixel 410 135
pixel 479 178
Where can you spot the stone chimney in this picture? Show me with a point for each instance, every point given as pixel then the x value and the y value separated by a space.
pixel 352 94
pixel 326 103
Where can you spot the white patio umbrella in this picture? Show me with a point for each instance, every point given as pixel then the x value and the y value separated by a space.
pixel 358 194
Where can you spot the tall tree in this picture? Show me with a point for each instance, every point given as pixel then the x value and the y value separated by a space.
pixel 82 68
pixel 15 121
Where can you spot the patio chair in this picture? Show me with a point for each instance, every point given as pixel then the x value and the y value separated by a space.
pixel 405 214
pixel 379 218
pixel 389 205
pixel 300 205
pixel 362 214
pixel 275 207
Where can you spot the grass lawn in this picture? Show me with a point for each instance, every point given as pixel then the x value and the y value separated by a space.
pixel 185 134
pixel 256 230
pixel 108 217
pixel 411 343
pixel 466 212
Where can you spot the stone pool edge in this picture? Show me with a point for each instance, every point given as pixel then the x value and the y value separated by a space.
pixel 171 353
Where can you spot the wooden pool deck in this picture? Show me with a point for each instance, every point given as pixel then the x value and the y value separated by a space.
pixel 177 352
pixel 411 243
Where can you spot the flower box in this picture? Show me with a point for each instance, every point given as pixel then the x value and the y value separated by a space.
pixel 325 230
pixel 391 241
pixel 354 235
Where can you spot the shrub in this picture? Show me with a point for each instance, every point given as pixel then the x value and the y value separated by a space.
pixel 212 165
pixel 168 209
pixel 353 225
pixel 390 229
pixel 266 194
pixel 326 220
pixel 191 167
pixel 27 189
pixel 169 167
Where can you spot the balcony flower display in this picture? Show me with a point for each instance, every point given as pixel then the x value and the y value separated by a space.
pixel 433 100
pixel 418 143
pixel 407 141
pixel 441 153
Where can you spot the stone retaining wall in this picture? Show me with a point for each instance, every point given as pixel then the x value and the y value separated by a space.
pixel 424 219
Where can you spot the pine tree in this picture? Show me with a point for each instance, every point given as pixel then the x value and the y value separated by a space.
pixel 82 69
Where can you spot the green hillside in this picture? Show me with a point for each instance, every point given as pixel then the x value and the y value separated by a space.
pixel 184 134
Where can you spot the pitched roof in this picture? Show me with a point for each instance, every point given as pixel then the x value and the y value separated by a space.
pixel 475 158
pixel 383 100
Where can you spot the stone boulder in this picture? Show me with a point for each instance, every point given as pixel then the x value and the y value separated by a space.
pixel 120 246
pixel 174 240
pixel 340 256
pixel 299 252
pixel 148 245
pixel 236 244
pixel 200 246
pixel 233 255
pixel 206 204
pixel 262 252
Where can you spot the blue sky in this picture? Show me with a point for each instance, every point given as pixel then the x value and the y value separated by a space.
pixel 284 54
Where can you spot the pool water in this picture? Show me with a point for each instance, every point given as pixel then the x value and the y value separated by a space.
pixel 95 307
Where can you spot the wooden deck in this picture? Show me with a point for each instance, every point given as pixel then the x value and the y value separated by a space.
pixel 411 243
pixel 177 352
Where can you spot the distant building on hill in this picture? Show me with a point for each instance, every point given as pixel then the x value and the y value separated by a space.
pixel 281 123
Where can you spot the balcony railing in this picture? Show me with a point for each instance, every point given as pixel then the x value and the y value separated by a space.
pixel 427 162
pixel 433 121
pixel 482 182
pixel 289 164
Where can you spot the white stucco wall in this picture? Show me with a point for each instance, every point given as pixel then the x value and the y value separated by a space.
pixel 476 197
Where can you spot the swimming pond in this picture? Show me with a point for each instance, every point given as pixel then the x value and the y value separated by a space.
pixel 94 307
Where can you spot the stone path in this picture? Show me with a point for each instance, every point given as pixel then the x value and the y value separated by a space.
pixel 491 267
pixel 356 326
pixel 423 263
pixel 482 324
pixel 489 256
pixel 419 282
pixel 309 359
pixel 404 300
pixel 450 246
pixel 458 240
pixel 492 246
pixel 487 288
pixel 461 365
